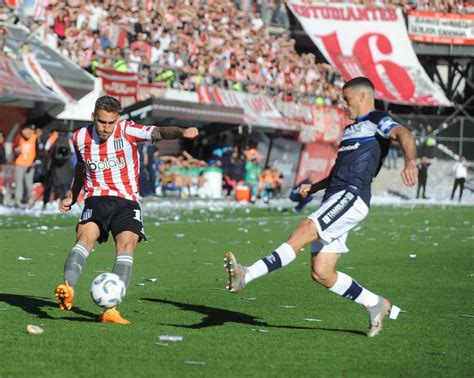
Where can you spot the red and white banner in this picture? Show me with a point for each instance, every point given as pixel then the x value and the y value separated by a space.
pixel 316 157
pixel 15 82
pixel 11 3
pixel 442 28
pixel 371 42
pixel 318 123
pixel 259 110
pixel 43 78
pixel 121 85
pixel 145 91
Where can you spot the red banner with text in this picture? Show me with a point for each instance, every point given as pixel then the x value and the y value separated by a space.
pixel 441 28
pixel 371 42
pixel 121 85
pixel 315 123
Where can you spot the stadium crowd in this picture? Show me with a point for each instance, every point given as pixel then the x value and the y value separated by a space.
pixel 182 46
pixel 224 43
pixel 221 42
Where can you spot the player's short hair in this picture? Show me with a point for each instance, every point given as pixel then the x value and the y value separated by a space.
pixel 360 82
pixel 108 103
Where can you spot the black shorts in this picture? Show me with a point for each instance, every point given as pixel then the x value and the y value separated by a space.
pixel 113 214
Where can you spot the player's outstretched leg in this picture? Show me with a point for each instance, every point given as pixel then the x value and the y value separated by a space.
pixel 111 315
pixel 64 294
pixel 240 275
pixel 376 315
pixel 236 273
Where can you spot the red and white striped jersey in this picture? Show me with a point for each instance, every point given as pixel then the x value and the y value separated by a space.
pixel 111 168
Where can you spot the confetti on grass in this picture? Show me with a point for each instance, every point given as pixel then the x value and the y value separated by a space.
pixel 34 330
pixel 171 338
pixel 260 330
pixel 312 320
pixel 21 258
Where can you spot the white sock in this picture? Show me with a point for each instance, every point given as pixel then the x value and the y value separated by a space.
pixel 279 258
pixel 346 287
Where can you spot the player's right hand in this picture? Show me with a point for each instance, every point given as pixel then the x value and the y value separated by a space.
pixel 190 133
pixel 65 205
pixel 304 189
pixel 410 174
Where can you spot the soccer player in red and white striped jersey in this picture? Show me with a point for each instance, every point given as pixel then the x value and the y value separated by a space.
pixel 108 170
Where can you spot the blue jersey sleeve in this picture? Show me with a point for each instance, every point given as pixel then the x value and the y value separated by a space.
pixel 384 123
pixel 385 126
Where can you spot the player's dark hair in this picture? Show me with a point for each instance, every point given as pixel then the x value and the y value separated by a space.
pixel 359 82
pixel 108 103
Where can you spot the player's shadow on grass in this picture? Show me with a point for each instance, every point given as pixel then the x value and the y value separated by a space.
pixel 217 317
pixel 38 305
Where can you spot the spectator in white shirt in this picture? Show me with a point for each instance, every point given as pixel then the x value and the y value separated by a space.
pixel 156 52
pixel 460 175
pixel 51 38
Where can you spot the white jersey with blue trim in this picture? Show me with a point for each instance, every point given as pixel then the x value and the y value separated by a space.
pixel 363 147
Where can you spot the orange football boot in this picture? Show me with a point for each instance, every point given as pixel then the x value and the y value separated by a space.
pixel 111 315
pixel 64 295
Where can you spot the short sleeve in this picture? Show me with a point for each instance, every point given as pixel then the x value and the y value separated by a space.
pixel 386 125
pixel 138 133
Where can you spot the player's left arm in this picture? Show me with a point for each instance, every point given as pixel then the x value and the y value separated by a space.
pixel 172 132
pixel 406 140
pixel 137 133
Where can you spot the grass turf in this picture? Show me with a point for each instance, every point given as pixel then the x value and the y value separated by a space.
pixel 261 332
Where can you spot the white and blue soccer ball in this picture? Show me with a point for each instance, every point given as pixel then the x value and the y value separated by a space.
pixel 107 290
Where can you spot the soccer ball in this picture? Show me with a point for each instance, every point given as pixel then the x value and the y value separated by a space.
pixel 107 290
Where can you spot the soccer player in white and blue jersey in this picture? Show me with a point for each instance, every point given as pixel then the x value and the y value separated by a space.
pixel 363 147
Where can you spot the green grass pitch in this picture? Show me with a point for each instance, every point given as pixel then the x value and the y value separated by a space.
pixel 263 331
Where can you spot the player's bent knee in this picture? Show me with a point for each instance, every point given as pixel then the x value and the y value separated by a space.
pixel 126 246
pixel 321 276
pixel 126 242
pixel 87 234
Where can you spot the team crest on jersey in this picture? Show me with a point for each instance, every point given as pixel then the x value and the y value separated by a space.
pixel 87 214
pixel 118 144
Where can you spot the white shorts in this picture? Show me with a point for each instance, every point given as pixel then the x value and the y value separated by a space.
pixel 336 216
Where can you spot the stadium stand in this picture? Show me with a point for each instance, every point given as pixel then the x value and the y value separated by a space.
pixel 244 46
pixel 184 46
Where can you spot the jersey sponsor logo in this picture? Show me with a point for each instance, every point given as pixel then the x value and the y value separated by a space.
pixel 100 165
pixel 118 144
pixel 345 200
pixel 349 147
pixel 87 214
